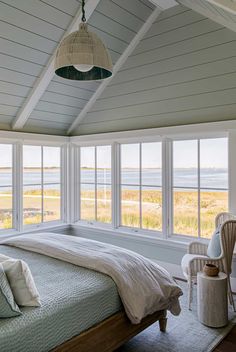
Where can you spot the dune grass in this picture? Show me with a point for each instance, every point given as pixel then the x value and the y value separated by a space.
pixel 185 209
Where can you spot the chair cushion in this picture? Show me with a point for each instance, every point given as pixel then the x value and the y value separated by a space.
pixel 214 246
pixel 187 259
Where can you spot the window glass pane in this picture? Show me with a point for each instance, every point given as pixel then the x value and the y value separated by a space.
pixel 151 208
pixel 130 164
pixel 51 164
pixel 104 203
pixel 212 203
pixel 6 186
pixel 104 164
pixel 214 163
pixel 32 164
pixel 151 164
pixel 51 202
pixel 130 213
pixel 32 204
pixel 87 201
pixel 87 164
pixel 185 164
pixel 185 203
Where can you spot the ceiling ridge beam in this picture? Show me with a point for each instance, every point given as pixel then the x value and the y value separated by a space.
pixel 207 12
pixel 48 72
pixel 130 48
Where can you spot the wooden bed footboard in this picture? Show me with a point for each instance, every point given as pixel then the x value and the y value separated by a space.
pixel 110 333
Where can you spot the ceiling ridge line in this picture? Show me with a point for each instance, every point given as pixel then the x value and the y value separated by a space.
pixel 130 48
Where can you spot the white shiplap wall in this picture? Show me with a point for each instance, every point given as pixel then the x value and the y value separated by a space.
pixel 183 71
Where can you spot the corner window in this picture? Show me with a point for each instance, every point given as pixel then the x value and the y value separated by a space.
pixel 95 183
pixel 41 184
pixel 141 185
pixel 6 187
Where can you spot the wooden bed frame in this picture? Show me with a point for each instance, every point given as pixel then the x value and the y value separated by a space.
pixel 110 333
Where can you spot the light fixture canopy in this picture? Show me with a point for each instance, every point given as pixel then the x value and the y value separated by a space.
pixel 83 56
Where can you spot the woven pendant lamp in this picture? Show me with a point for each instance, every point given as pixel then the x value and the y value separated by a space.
pixel 82 55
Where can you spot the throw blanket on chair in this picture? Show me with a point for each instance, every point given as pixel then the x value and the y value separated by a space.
pixel 144 286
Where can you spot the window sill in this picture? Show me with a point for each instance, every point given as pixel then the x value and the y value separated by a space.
pixel 4 234
pixel 135 235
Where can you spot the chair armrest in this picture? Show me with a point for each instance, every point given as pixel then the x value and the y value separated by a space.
pixel 197 264
pixel 197 248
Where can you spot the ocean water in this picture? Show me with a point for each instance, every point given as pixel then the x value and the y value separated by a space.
pixel 185 178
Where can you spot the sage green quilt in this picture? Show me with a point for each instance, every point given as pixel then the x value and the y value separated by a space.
pixel 73 299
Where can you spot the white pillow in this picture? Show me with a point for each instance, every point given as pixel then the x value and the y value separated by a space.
pixel 21 282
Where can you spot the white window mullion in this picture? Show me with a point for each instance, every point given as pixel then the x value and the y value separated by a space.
pixel 232 171
pixel 140 186
pixel 166 189
pixel 17 186
pixel 115 184
pixel 42 186
pixel 199 190
pixel 65 183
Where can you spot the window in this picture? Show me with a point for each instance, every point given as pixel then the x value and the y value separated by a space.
pixel 200 185
pixel 95 183
pixel 6 187
pixel 141 185
pixel 41 184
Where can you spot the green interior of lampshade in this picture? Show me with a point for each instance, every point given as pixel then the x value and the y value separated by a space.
pixel 95 73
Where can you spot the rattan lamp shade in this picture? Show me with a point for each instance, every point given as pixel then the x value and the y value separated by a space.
pixel 83 48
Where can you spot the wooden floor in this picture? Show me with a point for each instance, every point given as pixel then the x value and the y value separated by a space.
pixel 229 343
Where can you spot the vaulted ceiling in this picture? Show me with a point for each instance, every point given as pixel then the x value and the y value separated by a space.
pixel 173 64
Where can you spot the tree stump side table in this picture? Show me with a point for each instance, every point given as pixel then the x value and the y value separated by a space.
pixel 212 301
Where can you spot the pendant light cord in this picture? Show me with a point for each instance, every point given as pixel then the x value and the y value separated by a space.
pixel 83 12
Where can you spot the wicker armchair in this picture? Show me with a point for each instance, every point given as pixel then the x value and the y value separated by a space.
pixel 194 261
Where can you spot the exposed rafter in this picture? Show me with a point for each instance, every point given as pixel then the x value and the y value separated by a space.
pixel 207 9
pixel 48 72
pixel 130 48
pixel 164 4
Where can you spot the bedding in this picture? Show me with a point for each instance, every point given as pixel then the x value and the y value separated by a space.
pixel 144 286
pixel 8 307
pixel 73 299
pixel 21 282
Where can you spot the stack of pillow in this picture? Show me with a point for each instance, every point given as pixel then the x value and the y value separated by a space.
pixel 17 287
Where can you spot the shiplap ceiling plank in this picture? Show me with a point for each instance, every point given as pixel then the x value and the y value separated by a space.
pixel 145 27
pixel 41 11
pixel 48 72
pixel 188 80
pixel 208 10
pixel 176 118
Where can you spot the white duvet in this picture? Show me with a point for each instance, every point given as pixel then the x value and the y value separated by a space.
pixel 144 286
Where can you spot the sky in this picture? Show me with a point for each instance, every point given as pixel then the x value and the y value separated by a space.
pixel 213 154
pixel 32 156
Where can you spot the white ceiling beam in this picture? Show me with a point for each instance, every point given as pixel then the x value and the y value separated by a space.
pixel 164 4
pixel 206 9
pixel 227 5
pixel 120 62
pixel 48 72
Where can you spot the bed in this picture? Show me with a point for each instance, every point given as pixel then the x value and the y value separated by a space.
pixel 81 309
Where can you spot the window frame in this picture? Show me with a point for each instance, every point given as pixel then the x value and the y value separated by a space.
pixel 17 141
pixel 167 178
pixel 62 215
pixel 77 189
pixel 139 186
